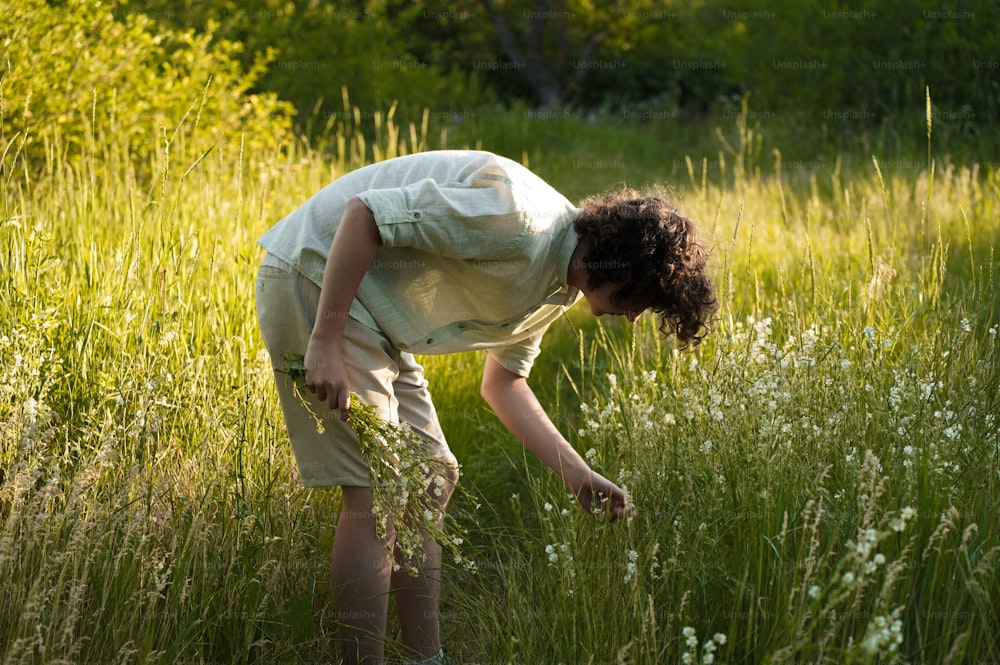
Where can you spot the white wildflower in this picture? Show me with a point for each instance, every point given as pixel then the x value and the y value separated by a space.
pixel 898 524
pixel 630 566
pixel 30 409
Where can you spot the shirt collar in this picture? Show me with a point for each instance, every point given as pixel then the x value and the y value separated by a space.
pixel 569 242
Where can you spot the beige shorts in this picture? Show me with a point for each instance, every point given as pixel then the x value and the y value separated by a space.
pixel 380 374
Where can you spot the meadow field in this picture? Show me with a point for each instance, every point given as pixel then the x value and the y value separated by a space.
pixel 818 482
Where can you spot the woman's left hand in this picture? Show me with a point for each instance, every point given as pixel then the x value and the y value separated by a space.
pixel 598 495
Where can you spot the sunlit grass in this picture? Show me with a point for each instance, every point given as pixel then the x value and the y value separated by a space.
pixel 818 481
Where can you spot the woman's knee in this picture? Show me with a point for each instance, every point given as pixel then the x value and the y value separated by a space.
pixel 358 504
pixel 450 469
pixel 444 478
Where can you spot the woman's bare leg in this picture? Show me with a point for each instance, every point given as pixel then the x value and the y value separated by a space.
pixel 418 596
pixel 361 568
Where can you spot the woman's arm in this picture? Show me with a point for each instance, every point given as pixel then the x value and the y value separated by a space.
pixel 512 399
pixel 351 254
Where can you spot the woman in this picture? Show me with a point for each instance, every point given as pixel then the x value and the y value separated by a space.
pixel 442 252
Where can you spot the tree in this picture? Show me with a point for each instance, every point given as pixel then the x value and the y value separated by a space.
pixel 542 52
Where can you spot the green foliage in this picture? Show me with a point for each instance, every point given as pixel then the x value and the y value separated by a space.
pixel 810 480
pixel 862 65
pixel 837 69
pixel 149 510
pixel 316 49
pixel 74 75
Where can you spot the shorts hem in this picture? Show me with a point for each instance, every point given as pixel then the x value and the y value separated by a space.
pixel 335 482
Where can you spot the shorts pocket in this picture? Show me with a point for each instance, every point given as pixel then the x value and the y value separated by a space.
pixel 272 272
pixel 274 268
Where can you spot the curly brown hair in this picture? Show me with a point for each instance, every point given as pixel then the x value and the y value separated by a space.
pixel 645 244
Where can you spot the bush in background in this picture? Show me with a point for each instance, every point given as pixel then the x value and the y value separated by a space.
pixel 71 68
pixel 382 52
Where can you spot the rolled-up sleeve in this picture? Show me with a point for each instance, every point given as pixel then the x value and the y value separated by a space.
pixel 519 357
pixel 457 220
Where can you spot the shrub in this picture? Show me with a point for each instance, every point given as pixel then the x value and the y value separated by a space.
pixel 131 76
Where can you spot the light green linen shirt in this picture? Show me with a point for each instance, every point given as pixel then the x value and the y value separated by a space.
pixel 475 252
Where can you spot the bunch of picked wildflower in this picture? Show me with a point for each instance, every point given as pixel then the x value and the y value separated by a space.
pixel 405 482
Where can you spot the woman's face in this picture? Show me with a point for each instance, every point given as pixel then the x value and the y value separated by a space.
pixel 600 303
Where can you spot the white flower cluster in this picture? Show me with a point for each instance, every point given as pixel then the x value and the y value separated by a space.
pixel 933 437
pixel 560 556
pixel 561 552
pixel 756 377
pixel 24 352
pixel 866 558
pixel 898 524
pixel 597 417
pixel 883 636
pixel 864 547
pixel 630 566
pixel 630 414
pixel 708 649
pixel 853 574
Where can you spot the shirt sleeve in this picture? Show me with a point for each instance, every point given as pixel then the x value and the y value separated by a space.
pixel 520 356
pixel 460 220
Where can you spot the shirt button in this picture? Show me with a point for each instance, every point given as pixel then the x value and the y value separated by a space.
pixel 461 326
pixel 430 340
pixel 416 215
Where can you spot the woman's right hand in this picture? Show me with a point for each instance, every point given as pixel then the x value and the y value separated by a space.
pixel 326 376
pixel 354 247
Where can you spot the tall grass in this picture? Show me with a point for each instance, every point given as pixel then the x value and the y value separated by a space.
pixel 818 481
pixel 148 500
